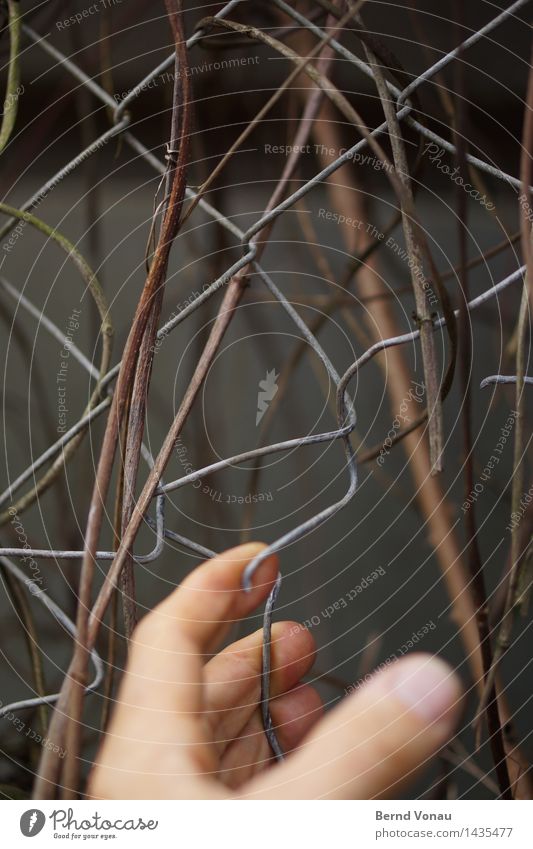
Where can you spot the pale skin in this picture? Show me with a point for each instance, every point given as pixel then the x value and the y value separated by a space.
pixel 187 723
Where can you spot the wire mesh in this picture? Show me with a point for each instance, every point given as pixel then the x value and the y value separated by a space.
pixel 120 110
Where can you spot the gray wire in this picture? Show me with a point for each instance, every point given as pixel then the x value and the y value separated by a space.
pixel 503 379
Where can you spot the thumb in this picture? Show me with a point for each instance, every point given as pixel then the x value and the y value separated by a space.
pixel 376 739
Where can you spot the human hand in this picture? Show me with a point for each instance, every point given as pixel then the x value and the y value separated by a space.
pixel 189 728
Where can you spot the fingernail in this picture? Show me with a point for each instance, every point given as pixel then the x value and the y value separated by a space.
pixel 427 686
